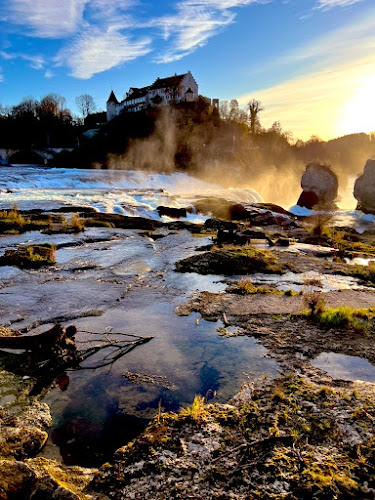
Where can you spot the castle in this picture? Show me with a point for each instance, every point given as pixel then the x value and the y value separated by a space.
pixel 173 89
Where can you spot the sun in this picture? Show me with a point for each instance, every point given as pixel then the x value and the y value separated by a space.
pixel 358 114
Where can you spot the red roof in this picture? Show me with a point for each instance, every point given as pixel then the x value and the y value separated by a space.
pixel 137 93
pixel 170 82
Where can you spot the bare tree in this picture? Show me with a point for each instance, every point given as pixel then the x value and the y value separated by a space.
pixel 255 108
pixel 27 108
pixel 85 104
pixel 52 105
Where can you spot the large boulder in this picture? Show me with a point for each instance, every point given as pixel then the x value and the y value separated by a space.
pixel 320 186
pixel 364 188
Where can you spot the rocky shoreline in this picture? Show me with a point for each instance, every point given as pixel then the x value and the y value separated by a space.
pixel 301 435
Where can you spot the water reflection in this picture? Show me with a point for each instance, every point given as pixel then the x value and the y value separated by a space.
pixel 101 410
pixel 345 367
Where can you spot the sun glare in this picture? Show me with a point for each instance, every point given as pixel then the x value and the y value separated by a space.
pixel 358 115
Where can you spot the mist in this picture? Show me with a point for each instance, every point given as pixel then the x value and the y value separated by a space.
pixel 196 140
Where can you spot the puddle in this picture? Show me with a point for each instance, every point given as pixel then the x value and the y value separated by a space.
pixel 101 410
pixel 310 281
pixel 137 268
pixel 304 248
pixel 342 366
pixel 360 261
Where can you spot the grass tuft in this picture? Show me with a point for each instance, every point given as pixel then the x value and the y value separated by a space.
pixel 197 411
pixel 30 257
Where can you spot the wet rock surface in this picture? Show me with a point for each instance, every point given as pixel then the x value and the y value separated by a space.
pixel 301 435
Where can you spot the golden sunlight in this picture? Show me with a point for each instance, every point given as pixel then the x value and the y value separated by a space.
pixel 358 114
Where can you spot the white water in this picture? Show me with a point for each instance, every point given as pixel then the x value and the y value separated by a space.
pixel 132 193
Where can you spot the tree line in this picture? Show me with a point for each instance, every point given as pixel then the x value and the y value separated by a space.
pixel 43 124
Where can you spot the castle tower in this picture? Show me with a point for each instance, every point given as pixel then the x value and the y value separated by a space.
pixel 112 106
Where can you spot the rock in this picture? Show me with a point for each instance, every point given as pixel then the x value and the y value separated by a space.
pixel 222 209
pixel 16 480
pixel 282 242
pixel 37 415
pixel 273 208
pixel 308 199
pixel 48 489
pixel 21 442
pixel 364 188
pixel 216 224
pixel 320 186
pixel 120 221
pixel 239 237
pixel 174 213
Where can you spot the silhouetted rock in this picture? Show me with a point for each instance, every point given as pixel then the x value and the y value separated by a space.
pixel 364 188
pixel 308 199
pixel 174 213
pixel 320 186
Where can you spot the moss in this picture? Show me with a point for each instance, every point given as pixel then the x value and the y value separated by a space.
pixel 231 259
pixel 74 479
pixel 246 287
pixel 365 273
pixel 98 223
pixel 11 220
pixel 30 257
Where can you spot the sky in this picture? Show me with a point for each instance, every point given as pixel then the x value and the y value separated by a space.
pixel 311 63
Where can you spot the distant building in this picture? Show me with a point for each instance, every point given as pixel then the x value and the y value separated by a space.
pixel 173 89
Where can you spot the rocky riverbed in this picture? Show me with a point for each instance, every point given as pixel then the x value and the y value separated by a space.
pixel 198 352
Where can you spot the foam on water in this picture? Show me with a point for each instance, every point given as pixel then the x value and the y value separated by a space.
pixel 132 193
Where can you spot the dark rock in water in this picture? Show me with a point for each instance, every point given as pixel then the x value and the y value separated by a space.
pixel 364 189
pixel 256 213
pixel 268 218
pixel 221 208
pixel 320 186
pixel 283 242
pixel 72 209
pixel 216 224
pixel 239 237
pixel 273 208
pixel 16 480
pixel 122 221
pixel 308 199
pixel 174 213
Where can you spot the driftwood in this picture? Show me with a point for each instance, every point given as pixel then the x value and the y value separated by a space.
pixel 31 342
pixel 55 351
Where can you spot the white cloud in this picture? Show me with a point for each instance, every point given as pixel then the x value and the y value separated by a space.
pixel 96 51
pixel 1 78
pixel 194 23
pixel 48 74
pixel 328 4
pixel 104 44
pixel 187 32
pixel 36 61
pixel 47 18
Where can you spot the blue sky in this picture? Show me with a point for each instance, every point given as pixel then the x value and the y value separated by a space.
pixel 310 62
